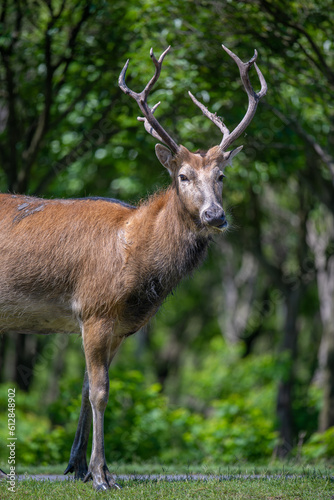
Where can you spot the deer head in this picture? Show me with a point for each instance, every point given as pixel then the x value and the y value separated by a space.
pixel 198 177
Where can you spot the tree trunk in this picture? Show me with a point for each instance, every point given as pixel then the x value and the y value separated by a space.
pixel 3 345
pixel 326 419
pixel 25 358
pixel 285 391
pixel 56 369
pixel 319 240
pixel 238 285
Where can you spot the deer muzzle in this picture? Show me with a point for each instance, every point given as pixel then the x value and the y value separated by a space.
pixel 214 216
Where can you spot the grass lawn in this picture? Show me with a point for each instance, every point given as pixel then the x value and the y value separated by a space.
pixel 284 483
pixel 276 489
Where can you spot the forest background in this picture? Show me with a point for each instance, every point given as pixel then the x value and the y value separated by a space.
pixel 238 365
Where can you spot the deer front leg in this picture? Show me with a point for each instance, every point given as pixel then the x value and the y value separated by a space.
pixel 78 460
pixel 100 347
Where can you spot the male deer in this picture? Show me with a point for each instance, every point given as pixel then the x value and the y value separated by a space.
pixel 102 268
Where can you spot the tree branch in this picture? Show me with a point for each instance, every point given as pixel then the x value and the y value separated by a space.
pixel 94 138
pixel 74 102
pixel 282 17
pixel 11 167
pixel 3 12
pixel 71 45
pixel 30 153
pixel 61 9
pixel 323 154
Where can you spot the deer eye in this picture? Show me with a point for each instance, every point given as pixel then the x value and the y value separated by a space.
pixel 221 177
pixel 183 178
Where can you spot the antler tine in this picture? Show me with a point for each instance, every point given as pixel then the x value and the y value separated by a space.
pixel 150 122
pixel 264 86
pixel 148 127
pixel 212 116
pixel 158 66
pixel 253 97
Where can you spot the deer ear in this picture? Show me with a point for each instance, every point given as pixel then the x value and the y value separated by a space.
pixel 229 155
pixel 166 158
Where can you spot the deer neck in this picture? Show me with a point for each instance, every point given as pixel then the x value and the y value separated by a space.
pixel 162 246
pixel 171 242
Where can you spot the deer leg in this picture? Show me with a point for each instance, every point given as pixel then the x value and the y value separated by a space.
pixel 100 347
pixel 78 461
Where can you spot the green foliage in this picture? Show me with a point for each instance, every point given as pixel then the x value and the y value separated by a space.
pixel 238 400
pixel 141 424
pixel 210 400
pixel 136 421
pixel 320 446
pixel 232 432
pixel 37 440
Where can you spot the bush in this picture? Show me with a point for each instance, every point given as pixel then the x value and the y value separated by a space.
pixel 136 419
pixel 320 445
pixel 237 421
pixel 37 440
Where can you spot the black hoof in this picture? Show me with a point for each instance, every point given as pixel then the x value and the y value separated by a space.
pixel 69 468
pixel 79 467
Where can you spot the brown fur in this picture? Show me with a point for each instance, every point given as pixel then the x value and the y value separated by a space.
pixel 103 268
pixel 86 256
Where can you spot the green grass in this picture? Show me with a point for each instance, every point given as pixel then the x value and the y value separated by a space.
pixel 295 483
pixel 302 488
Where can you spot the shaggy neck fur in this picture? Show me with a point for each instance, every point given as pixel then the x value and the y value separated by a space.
pixel 168 247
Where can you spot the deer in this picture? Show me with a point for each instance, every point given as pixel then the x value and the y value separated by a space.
pixel 101 268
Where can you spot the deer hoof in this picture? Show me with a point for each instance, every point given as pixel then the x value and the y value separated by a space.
pixel 88 477
pixel 69 468
pixel 102 481
pixel 102 487
pixel 79 467
pixel 105 487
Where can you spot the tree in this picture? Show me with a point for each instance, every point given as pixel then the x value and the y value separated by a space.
pixel 45 50
pixel 66 130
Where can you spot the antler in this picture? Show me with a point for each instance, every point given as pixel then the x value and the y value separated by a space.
pixel 151 124
pixel 253 100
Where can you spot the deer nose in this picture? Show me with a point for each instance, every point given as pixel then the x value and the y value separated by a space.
pixel 215 216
